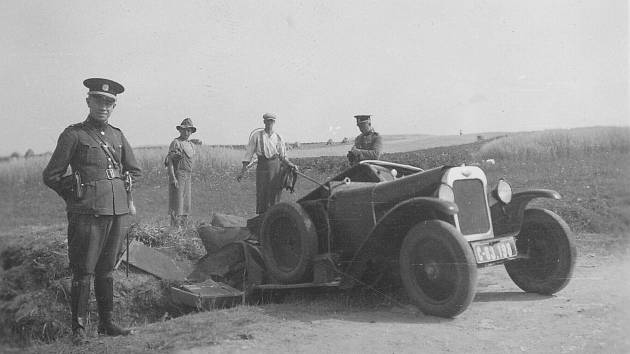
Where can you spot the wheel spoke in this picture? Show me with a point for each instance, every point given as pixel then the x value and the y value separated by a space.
pixel 438 269
pixel 434 270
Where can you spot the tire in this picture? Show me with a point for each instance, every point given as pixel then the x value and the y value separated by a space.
pixel 549 243
pixel 289 242
pixel 319 216
pixel 438 269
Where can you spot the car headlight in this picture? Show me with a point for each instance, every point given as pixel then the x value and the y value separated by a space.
pixel 445 192
pixel 503 192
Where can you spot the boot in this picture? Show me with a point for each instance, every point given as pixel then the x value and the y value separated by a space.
pixel 78 334
pixel 183 222
pixel 104 290
pixel 79 296
pixel 175 220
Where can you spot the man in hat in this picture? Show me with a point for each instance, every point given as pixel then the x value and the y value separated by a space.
pixel 368 145
pixel 96 202
pixel 179 162
pixel 267 146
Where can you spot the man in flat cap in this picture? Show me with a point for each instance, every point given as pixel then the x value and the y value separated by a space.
pixel 96 202
pixel 267 146
pixel 368 145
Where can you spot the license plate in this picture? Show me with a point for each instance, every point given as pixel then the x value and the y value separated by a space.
pixel 494 250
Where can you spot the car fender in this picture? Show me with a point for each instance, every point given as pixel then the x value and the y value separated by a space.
pixel 507 218
pixel 388 233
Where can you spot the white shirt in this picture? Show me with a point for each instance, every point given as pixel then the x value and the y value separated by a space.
pixel 261 143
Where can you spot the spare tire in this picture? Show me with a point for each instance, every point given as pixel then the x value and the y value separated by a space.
pixel 289 242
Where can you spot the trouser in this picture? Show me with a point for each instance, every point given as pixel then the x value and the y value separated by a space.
pixel 180 199
pixel 268 183
pixel 93 244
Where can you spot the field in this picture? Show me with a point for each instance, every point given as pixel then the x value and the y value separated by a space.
pixel 588 166
pixel 29 203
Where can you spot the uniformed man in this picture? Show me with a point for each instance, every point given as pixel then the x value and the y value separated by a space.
pixel 368 145
pixel 96 202
pixel 269 149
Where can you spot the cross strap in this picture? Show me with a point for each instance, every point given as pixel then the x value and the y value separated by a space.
pixel 104 146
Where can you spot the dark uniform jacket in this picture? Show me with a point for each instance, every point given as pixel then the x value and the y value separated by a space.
pixel 369 146
pixel 81 150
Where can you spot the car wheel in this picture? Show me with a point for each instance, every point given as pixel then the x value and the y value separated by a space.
pixel 289 242
pixel 548 244
pixel 438 269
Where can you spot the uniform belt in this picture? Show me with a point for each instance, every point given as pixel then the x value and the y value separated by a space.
pixel 264 158
pixel 109 173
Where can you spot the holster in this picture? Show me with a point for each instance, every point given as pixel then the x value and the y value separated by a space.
pixel 71 186
pixel 128 182
pixel 77 185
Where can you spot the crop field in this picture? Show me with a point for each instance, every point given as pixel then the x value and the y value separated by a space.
pixel 588 166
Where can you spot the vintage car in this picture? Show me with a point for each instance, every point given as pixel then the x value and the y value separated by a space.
pixel 436 227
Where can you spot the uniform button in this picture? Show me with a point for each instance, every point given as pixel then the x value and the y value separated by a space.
pixel 102 133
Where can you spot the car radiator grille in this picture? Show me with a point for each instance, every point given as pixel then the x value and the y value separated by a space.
pixel 471 201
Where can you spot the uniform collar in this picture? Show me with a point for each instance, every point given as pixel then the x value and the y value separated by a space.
pixel 95 124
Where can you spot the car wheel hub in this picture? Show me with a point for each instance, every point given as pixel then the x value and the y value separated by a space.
pixel 432 270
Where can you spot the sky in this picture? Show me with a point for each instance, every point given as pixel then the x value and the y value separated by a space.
pixel 418 67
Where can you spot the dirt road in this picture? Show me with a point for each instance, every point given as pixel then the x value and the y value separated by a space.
pixel 591 315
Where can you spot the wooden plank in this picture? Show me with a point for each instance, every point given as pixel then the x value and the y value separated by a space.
pixel 296 286
pixel 206 295
pixel 156 263
pixel 212 288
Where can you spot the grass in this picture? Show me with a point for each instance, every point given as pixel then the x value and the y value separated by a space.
pixel 32 296
pixel 23 172
pixel 184 242
pixel 555 144
pixel 595 193
pixel 207 159
pixel 27 201
pixel 35 285
pixel 165 336
pixel 586 165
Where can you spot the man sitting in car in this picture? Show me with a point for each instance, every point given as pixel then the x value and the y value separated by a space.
pixel 368 145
